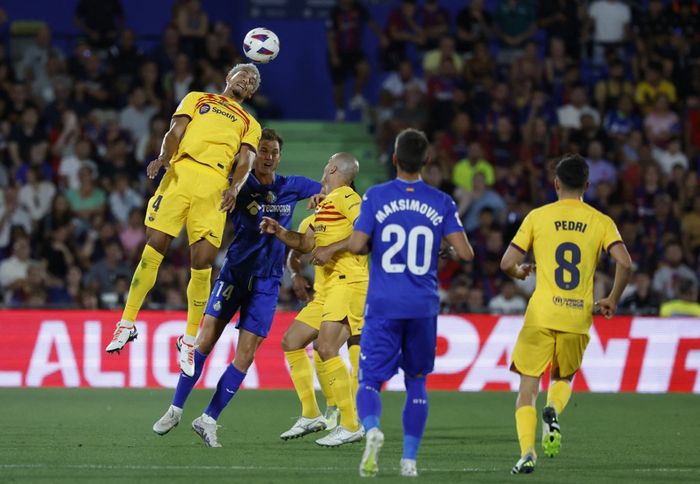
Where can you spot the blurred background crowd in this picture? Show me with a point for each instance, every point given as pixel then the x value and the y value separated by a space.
pixel 503 89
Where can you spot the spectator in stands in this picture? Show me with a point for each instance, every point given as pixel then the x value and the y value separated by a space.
pixel 671 157
pixel 432 60
pixel 88 199
pixel 133 235
pixel 32 66
pixel 562 20
pixel 672 270
pixel 444 90
pixel 508 301
pixel 104 273
pixel 346 57
pixel 13 270
pixel 610 22
pixel 12 214
pixel 527 66
pixel 465 170
pixel 515 23
pixel 123 199
pixel 178 82
pixel 457 295
pixel 192 24
pixel 600 169
pixel 100 21
pixel 622 120
pixel 474 24
pixel 661 123
pixel 611 88
pixel 402 30
pixel 690 231
pixel 580 139
pixel 570 114
pixel 125 58
pixel 24 135
pixel 164 54
pixel 435 23
pixel 136 116
pixel 652 87
pixel 640 297
pixel 70 165
pixel 36 195
pixel 393 91
pixel 686 304
pixel 472 203
pixel 95 88
pixel 59 253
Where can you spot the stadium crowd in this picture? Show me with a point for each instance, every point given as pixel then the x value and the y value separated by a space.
pixel 502 92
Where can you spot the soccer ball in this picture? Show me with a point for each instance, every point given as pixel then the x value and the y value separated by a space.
pixel 261 45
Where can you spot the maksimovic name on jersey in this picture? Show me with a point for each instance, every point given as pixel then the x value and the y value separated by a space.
pixel 409 204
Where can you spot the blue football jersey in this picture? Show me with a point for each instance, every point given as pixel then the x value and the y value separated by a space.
pixel 253 253
pixel 406 222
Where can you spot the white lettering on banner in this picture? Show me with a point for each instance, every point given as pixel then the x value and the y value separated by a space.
pixel 486 368
pixel 138 357
pixel 662 337
pixel 163 343
pixel 692 363
pixel 222 355
pixel 92 359
pixel 10 378
pixel 53 333
pixel 604 368
pixel 462 344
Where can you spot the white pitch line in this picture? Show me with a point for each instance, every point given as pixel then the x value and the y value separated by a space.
pixel 216 467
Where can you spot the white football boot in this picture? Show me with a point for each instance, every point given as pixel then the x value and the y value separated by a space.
pixel 124 332
pixel 187 357
pixel 369 464
pixel 304 426
pixel 169 421
pixel 407 468
pixel 340 436
pixel 207 431
pixel 332 417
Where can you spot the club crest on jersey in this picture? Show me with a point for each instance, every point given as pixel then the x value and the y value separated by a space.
pixel 204 108
pixel 217 306
pixel 270 197
pixel 254 207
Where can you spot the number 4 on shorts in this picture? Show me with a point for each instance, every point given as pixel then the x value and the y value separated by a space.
pixel 156 203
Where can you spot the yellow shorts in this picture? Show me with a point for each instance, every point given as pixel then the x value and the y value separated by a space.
pixel 189 194
pixel 536 347
pixel 335 302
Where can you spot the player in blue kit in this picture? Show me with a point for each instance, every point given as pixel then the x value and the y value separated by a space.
pixel 403 223
pixel 249 281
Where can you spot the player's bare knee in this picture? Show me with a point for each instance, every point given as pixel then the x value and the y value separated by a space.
pixel 289 343
pixel 327 350
pixel 244 359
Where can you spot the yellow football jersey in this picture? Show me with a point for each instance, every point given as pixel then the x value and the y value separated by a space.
pixel 217 129
pixel 318 271
pixel 333 222
pixel 567 238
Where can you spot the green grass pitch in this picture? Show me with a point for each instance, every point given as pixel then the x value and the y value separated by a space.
pixel 91 435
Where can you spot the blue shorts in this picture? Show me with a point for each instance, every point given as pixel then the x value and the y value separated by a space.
pixel 255 297
pixel 389 344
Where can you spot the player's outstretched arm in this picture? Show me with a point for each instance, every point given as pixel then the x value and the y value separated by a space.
pixel 359 243
pixel 511 264
pixel 460 244
pixel 623 270
pixel 304 243
pixel 171 142
pixel 246 159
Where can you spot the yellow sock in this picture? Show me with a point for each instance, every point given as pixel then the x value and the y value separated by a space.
pixel 526 424
pixel 142 281
pixel 323 380
pixel 197 295
pixel 339 378
pixel 354 352
pixel 302 376
pixel 558 395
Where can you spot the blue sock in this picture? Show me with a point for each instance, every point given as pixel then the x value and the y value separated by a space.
pixel 186 383
pixel 415 414
pixel 227 387
pixel 369 405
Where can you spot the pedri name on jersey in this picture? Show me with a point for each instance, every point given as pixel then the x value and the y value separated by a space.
pixel 409 204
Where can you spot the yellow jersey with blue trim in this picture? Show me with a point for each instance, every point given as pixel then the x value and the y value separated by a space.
pixel 333 222
pixel 218 127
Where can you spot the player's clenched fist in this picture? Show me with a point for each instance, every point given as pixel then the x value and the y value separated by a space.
pixel 154 167
pixel 269 226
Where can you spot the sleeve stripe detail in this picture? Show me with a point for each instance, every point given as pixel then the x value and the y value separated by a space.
pixel 612 245
pixel 328 219
pixel 518 248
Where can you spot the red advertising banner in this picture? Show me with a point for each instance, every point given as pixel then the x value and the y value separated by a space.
pixel 66 348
